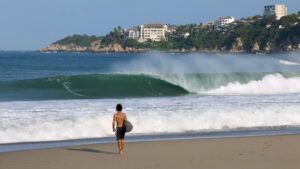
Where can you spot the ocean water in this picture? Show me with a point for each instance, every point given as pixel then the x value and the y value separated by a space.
pixel 67 96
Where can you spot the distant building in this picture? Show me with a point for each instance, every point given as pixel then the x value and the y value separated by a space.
pixel 171 28
pixel 279 10
pixel 223 21
pixel 208 23
pixel 134 33
pixel 154 32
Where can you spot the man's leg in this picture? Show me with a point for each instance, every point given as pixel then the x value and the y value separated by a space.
pixel 123 144
pixel 120 146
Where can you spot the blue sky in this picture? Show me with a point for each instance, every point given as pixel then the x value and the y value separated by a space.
pixel 33 24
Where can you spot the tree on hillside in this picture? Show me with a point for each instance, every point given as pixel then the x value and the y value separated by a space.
pixel 79 40
pixel 115 36
pixel 289 20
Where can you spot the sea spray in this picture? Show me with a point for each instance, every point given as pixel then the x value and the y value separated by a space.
pixel 238 83
pixel 164 63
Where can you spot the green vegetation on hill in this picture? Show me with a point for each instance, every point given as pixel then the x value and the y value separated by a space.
pixel 118 35
pixel 78 40
pixel 242 35
pixel 250 34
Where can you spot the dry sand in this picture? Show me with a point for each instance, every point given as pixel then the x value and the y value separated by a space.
pixel 270 152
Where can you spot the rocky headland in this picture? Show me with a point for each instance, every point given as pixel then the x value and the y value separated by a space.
pixel 255 34
pixel 95 47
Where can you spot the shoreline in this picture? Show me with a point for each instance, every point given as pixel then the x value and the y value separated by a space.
pixel 170 52
pixel 159 51
pixel 245 133
pixel 258 152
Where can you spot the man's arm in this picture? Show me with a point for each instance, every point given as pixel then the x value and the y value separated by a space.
pixel 113 123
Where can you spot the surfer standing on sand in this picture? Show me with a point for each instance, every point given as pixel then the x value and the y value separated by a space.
pixel 119 118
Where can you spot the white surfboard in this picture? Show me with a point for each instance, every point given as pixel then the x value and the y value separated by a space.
pixel 128 126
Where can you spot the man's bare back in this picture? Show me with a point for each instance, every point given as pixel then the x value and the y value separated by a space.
pixel 119 118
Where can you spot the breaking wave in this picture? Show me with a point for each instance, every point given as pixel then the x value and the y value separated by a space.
pixel 141 85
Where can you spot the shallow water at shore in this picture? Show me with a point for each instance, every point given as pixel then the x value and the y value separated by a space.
pixel 252 132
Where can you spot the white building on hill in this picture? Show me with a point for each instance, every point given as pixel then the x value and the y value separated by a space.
pixel 134 33
pixel 223 21
pixel 279 10
pixel 154 32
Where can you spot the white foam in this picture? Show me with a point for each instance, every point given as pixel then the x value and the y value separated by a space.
pixel 60 120
pixel 270 84
pixel 285 62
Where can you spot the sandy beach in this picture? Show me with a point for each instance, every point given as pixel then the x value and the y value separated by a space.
pixel 273 152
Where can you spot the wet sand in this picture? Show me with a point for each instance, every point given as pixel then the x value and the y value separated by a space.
pixel 269 152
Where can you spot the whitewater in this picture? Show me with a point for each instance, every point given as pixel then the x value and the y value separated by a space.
pixel 42 98
pixel 63 120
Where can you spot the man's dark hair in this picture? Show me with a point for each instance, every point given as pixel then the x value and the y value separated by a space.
pixel 119 107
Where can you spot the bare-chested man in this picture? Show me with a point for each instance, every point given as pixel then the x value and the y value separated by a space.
pixel 119 118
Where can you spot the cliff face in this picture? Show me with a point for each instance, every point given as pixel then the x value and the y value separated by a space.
pixel 79 43
pixel 290 46
pixel 270 47
pixel 66 48
pixel 237 47
pixel 95 46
